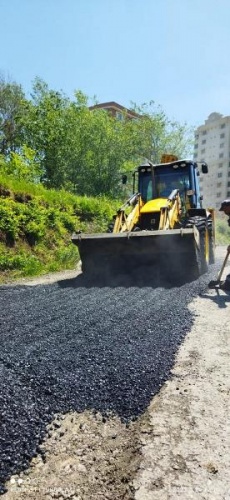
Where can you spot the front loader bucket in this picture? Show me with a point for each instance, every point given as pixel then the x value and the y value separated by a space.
pixel 142 251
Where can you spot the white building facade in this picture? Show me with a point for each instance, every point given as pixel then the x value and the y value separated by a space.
pixel 212 145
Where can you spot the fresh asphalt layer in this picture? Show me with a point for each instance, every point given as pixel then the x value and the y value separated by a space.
pixel 76 345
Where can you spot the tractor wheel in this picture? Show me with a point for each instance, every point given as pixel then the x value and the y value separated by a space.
pixel 200 261
pixel 203 254
pixel 211 242
pixel 111 226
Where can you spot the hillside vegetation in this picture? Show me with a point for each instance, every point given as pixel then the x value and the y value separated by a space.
pixel 36 226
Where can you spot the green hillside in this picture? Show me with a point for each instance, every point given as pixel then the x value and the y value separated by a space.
pixel 36 226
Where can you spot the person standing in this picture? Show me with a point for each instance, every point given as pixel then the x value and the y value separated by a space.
pixel 225 207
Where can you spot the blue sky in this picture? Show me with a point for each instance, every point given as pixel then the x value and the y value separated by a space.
pixel 174 52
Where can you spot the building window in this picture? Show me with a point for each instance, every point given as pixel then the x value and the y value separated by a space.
pixel 222 125
pixel 218 195
pixel 222 135
pixel 219 174
pixel 196 136
pixel 228 193
pixel 195 155
pixel 195 146
pixel 119 116
pixel 228 184
pixel 221 144
pixel 219 184
pixel 204 132
pixel 220 165
pixel 229 174
pixel 203 151
pixel 204 141
pixel 221 155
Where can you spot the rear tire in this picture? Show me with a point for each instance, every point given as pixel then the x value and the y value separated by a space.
pixel 200 262
pixel 110 227
pixel 203 253
pixel 211 242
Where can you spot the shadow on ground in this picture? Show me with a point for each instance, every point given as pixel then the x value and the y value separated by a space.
pixel 140 279
pixel 221 298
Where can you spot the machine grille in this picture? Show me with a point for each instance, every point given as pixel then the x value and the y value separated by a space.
pixel 150 221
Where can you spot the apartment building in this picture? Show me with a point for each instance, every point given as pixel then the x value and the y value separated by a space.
pixel 212 144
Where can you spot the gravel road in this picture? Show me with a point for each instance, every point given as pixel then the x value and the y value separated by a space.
pixel 77 356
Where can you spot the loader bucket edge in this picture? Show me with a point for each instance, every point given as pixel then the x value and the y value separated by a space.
pixel 128 252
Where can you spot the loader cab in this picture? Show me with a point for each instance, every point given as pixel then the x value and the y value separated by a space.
pixel 158 181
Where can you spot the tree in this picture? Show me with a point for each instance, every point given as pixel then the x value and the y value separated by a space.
pixel 98 150
pixel 45 131
pixel 23 165
pixel 155 134
pixel 81 150
pixel 12 108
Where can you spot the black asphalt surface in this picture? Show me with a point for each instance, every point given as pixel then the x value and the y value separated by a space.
pixel 76 345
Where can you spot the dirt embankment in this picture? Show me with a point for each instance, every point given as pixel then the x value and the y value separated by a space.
pixel 180 447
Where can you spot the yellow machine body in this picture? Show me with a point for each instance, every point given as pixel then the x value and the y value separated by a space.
pixel 150 231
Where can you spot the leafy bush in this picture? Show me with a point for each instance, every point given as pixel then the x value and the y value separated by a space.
pixel 11 262
pixel 51 218
pixel 68 221
pixel 34 232
pixel 33 266
pixel 9 224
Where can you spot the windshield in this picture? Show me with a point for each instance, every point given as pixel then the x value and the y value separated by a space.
pixel 164 183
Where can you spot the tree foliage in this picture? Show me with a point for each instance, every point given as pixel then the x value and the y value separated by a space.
pixel 12 109
pixel 23 165
pixel 73 147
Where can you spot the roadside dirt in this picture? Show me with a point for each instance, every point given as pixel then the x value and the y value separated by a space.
pixel 46 279
pixel 180 447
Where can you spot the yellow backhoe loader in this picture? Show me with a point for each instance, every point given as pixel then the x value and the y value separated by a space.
pixel 162 227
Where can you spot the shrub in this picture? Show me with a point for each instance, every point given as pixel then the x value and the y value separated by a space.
pixel 68 221
pixel 8 261
pixel 9 224
pixel 34 232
